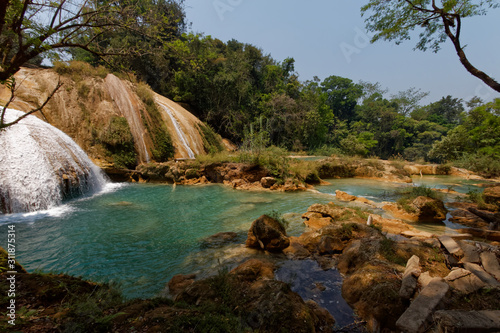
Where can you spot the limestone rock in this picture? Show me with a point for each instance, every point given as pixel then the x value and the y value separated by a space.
pixel 410 278
pixel 326 210
pixel 180 282
pixel 490 264
pixel 296 250
pixel 267 182
pixel 464 281
pixel 253 270
pixel 483 275
pixel 318 223
pixel 471 253
pixel 343 196
pixel 267 233
pixel 424 279
pixel 430 209
pixel 416 318
pixel 467 321
pixel 451 246
pixel 330 245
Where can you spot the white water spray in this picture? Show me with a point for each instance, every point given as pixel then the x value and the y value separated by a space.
pixel 40 166
pixel 179 131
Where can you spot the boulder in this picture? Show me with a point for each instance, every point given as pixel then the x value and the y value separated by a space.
pixel 253 270
pixel 343 196
pixel 191 173
pixel 454 321
pixel 490 264
pixel 318 223
pixel 482 274
pixel 268 234
pixel 329 210
pixel 429 209
pixel 471 253
pixel 330 245
pixel 451 246
pixel 267 182
pixel 417 317
pixel 464 281
pixel 410 278
pixel 180 282
pixel 296 250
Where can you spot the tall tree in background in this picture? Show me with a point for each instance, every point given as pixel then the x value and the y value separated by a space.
pixel 394 20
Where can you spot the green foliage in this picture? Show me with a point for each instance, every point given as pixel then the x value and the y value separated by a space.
pixel 163 147
pixel 211 140
pixel 78 70
pixel 475 144
pixel 279 217
pixel 409 194
pixel 118 140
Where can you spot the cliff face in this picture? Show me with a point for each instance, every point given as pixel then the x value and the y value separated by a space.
pixel 113 120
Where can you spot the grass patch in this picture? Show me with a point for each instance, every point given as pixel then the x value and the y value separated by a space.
pixel 408 194
pixel 78 70
pixel 388 251
pixel 211 140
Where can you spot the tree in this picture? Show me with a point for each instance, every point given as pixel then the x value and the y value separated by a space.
pixel 342 96
pixel 408 100
pixel 32 28
pixel 394 20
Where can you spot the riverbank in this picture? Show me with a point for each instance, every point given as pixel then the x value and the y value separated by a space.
pixel 278 172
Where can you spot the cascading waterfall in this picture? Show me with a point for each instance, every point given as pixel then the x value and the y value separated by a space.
pixel 40 166
pixel 179 131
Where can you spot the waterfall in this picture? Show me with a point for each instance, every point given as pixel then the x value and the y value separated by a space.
pixel 40 166
pixel 179 131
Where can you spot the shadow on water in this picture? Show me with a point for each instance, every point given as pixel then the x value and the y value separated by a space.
pixel 307 279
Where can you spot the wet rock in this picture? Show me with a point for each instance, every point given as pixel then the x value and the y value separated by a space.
pixel 452 321
pixel 296 250
pixel 322 314
pixel 329 210
pixel 180 282
pixel 343 196
pixel 253 270
pixel 490 264
pixel 191 173
pixel 330 245
pixel 417 317
pixel 268 234
pixel 481 233
pixel 267 182
pixel 410 278
pixel 218 240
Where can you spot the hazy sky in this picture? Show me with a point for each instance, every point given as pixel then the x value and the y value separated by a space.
pixel 327 37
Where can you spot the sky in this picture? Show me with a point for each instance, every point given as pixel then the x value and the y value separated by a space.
pixel 328 37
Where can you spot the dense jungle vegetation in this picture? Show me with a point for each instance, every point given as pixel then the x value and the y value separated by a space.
pixel 257 101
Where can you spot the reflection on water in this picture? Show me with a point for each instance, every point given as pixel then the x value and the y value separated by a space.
pixel 308 280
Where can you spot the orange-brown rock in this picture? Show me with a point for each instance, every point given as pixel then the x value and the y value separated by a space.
pixel 343 196
pixel 268 234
